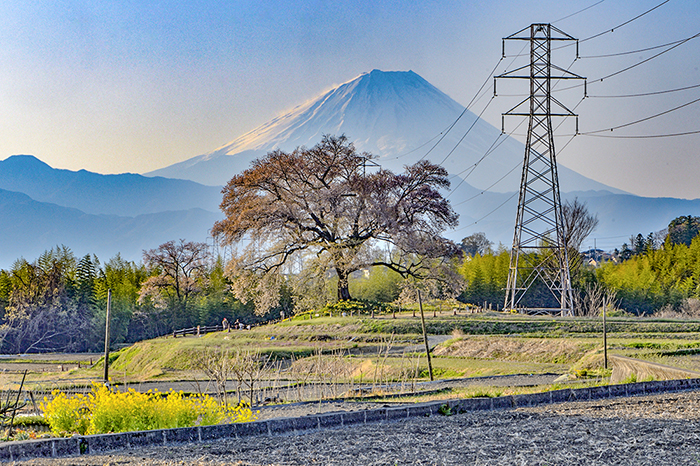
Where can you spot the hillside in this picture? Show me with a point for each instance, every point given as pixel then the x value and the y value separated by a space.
pixel 395 115
pixel 29 227
pixel 126 194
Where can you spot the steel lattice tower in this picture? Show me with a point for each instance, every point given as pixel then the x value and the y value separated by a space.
pixel 539 258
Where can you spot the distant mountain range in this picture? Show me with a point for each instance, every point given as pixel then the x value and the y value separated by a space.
pixel 620 215
pixel 397 116
pixel 126 194
pixel 42 207
pixel 30 227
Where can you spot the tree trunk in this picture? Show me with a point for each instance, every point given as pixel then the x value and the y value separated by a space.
pixel 343 285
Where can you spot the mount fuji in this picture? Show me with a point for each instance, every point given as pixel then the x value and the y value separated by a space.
pixel 400 117
pixel 397 116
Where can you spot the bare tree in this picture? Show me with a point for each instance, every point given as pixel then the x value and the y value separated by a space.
pixel 323 201
pixel 578 223
pixel 217 365
pixel 590 302
pixel 180 268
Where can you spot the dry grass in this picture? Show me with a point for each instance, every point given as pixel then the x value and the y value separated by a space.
pixel 689 309
pixel 542 350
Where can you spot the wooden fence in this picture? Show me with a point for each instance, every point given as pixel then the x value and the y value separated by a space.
pixel 198 330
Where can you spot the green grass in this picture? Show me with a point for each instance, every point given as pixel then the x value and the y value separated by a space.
pixel 363 336
pixel 566 345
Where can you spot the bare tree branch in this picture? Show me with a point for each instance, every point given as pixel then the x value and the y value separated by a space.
pixel 321 200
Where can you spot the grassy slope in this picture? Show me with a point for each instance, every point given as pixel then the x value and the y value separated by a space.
pixel 515 343
pixel 484 344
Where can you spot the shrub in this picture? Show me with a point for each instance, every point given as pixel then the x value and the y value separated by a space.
pixel 66 414
pixel 104 411
pixel 445 410
pixel 352 306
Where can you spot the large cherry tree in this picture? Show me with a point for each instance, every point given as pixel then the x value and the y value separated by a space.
pixel 327 202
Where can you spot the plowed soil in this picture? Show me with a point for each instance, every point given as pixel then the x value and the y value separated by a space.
pixel 652 430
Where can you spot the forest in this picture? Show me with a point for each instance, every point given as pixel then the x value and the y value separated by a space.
pixel 57 302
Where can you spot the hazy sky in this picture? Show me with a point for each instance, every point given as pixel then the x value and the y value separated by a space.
pixel 117 86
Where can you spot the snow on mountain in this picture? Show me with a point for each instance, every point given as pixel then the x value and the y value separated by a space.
pixel 399 117
pixel 395 115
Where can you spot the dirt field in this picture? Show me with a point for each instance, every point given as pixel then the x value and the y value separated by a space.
pixel 652 430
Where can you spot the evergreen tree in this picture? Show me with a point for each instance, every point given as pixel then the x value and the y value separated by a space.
pixel 683 229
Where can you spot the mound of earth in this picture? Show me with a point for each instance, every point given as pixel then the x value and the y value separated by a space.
pixel 545 350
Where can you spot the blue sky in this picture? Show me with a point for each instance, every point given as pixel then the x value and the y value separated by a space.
pixel 132 86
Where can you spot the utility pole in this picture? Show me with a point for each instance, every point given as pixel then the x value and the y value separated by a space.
pixel 595 251
pixel 539 256
pixel 605 334
pixel 425 337
pixel 109 305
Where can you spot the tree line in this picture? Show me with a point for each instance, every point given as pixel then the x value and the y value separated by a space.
pixel 58 301
pixel 659 272
pixel 314 226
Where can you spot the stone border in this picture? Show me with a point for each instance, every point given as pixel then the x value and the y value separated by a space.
pixel 82 445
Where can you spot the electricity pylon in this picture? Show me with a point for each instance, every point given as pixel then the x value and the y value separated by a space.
pixel 539 258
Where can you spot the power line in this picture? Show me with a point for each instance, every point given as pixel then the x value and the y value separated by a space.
pixel 467 132
pixel 488 152
pixel 650 58
pixel 498 181
pixel 494 210
pixel 645 93
pixel 607 31
pixel 473 167
pixel 579 11
pixel 651 136
pixel 613 237
pixel 494 184
pixel 424 144
pixel 463 111
pixel 476 98
pixel 487 189
pixel 597 80
pixel 567 143
pixel 643 119
pixel 630 52
pixel 625 23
